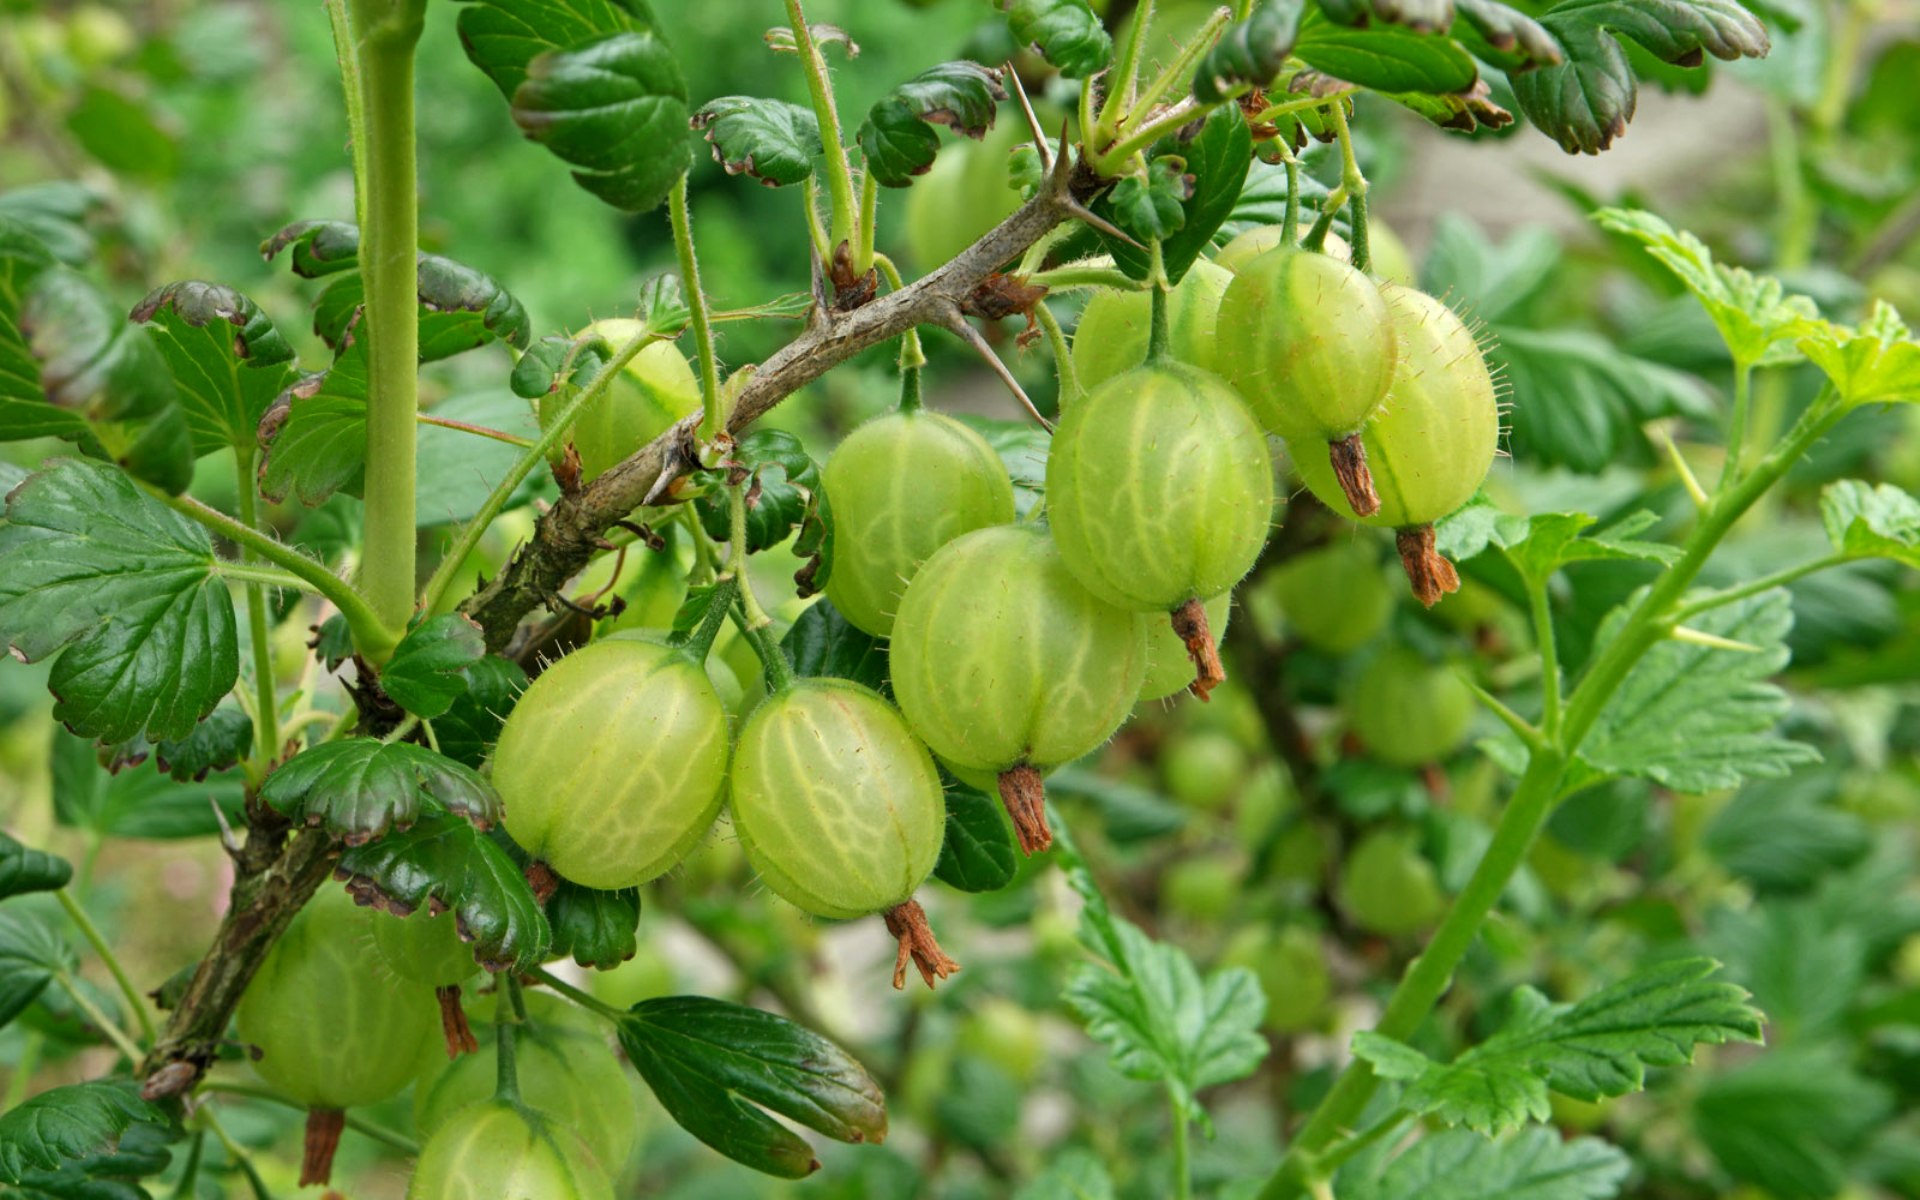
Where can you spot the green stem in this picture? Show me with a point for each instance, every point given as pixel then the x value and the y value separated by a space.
pixel 1182 1170
pixel 1112 161
pixel 238 1156
pixel 378 1133
pixel 1542 607
pixel 1178 72
pixel 1302 104
pixel 349 64
pixel 370 635
pixel 475 529
pixel 506 1026
pixel 1737 421
pixel 401 731
pixel 1122 80
pixel 839 172
pixel 1159 334
pixel 1063 367
pixel 714 420
pixel 590 1003
pixel 135 1001
pixel 1079 275
pixel 101 1021
pixel 810 198
pixel 477 430
pixel 190 1174
pixel 1290 223
pixel 910 401
pixel 272 577
pixel 772 657
pixel 911 355
pixel 1765 583
pixel 864 234
pixel 700 642
pixel 1316 239
pixel 267 716
pixel 1355 185
pixel 385 34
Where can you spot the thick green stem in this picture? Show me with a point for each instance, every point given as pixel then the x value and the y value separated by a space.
pixel 1123 78
pixel 1737 421
pixel 772 657
pixel 910 401
pixel 1063 367
pixel 864 234
pixel 713 420
pixel 699 643
pixel 1355 185
pixel 385 33
pixel 1159 334
pixel 1290 221
pixel 266 718
pixel 820 89
pixel 1182 1126
pixel 370 634
pixel 136 1003
pixel 475 529
pixel 1543 638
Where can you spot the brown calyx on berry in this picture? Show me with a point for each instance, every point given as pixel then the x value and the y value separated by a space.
pixel 1428 570
pixel 323 1138
pixel 1349 459
pixel 453 1022
pixel 542 880
pixel 1190 624
pixel 907 922
pixel 1024 792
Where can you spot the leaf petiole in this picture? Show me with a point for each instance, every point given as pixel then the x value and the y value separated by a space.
pixel 91 932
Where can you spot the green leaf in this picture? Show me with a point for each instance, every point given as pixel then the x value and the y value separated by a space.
pixel 56 214
pixel 771 140
pixel 1597 1048
pixel 710 1063
pixel 1781 835
pixel 1504 36
pixel 1072 1175
pixel 137 804
pixel 1585 102
pixel 1756 317
pixel 456 471
pixel 1534 1164
pixel 109 1175
pixel 359 788
pixel 1803 967
pixel 1211 169
pixel 595 928
pixel 428 670
pixel 1864 520
pixel 469 728
pixel 1249 53
pixel 1601 397
pixel 1385 58
pixel 316 434
pixel 1487 279
pixel 126 591
pixel 1068 33
pixel 1791 1121
pixel 897 136
pixel 1876 363
pixel 784 488
pixel 823 642
pixel 72 1122
pixel 616 111
pixel 1152 1009
pixel 91 361
pixel 215 744
pixel 318 247
pixel 1696 718
pixel 227 360
pixel 978 853
pixel 461 307
pixel 1149 206
pixel 24 869
pixel 1555 539
pixel 122 134
pixel 444 859
pixel 31 954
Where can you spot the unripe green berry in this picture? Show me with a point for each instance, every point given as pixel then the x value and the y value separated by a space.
pixel 656 389
pixel 1334 597
pixel 838 807
pixel 1387 886
pixel 1408 711
pixel 900 487
pixel 1112 336
pixel 613 763
pixel 504 1151
pixel 1169 667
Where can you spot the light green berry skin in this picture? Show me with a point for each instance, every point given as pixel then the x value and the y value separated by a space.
pixel 1408 711
pixel 1391 261
pixel 1000 657
pixel 500 1151
pixel 1334 597
pixel 1111 338
pixel 333 1030
pixel 1387 886
pixel 657 388
pixel 1169 669
pixel 1252 243
pixel 612 765
pixel 1431 443
pixel 566 1069
pixel 1306 340
pixel 837 805
pixel 1159 488
pixel 423 948
pixel 900 487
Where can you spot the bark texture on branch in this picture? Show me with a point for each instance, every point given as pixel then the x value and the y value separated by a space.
pixel 570 534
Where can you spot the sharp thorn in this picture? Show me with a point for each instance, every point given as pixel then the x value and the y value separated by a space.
pixel 956 323
pixel 1040 143
pixel 1101 223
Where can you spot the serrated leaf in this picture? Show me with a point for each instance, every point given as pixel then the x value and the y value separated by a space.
pixel 784 488
pixel 1585 102
pixel 1211 169
pixel 1782 835
pixel 56 213
pixel 978 854
pixel 1068 33
pixel 428 670
pixel 318 247
pixel 616 111
pixel 1149 206
pixel 126 592
pixel 109 1175
pixel 461 307
pixel 1553 540
pixel 90 361
pixel 1489 280
pixel 1150 1007
pixel 1696 718
pixel 772 140
pixel 1534 1164
pixel 711 1063
pixel 68 1123
pixel 468 730
pixel 1755 315
pixel 898 136
pixel 1597 1048
pixel 31 954
pixel 1876 363
pixel 1074 1174
pixel 359 788
pixel 1791 1121
pixel 594 928
pixel 1385 58
pixel 1582 401
pixel 556 362
pixel 24 869
pixel 823 642
pixel 446 859
pixel 316 435
pixel 215 744
pixel 227 360
pixel 1504 36
pixel 1465 111
pixel 1865 520
pixel 1249 53
pixel 137 804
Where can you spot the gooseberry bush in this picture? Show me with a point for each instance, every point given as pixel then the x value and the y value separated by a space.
pixel 448 736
